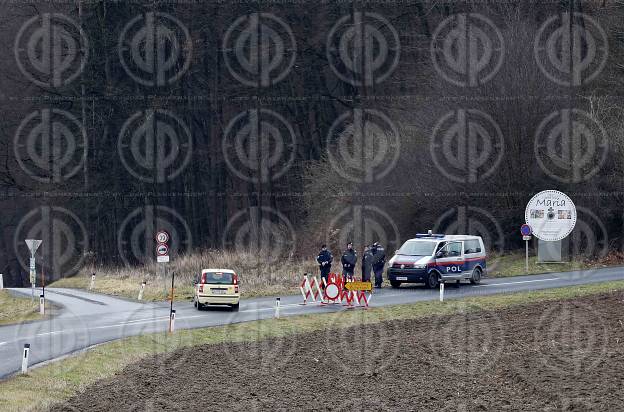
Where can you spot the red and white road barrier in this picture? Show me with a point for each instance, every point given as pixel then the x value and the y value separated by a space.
pixel 332 291
pixel 310 289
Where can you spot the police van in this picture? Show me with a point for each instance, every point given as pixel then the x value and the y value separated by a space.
pixel 432 258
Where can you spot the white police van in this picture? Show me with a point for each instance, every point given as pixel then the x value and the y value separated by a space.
pixel 432 258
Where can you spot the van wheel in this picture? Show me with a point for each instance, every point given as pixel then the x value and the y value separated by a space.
pixel 235 307
pixel 432 280
pixel 199 306
pixel 395 283
pixel 476 277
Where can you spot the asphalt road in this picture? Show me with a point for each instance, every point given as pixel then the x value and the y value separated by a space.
pixel 87 319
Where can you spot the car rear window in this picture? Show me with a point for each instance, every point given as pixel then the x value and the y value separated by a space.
pixel 219 278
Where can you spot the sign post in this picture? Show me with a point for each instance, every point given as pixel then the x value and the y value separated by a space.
pixel 33 245
pixel 551 215
pixel 526 236
pixel 162 256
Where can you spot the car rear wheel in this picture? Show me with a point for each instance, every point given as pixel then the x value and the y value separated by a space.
pixel 198 305
pixel 476 276
pixel 432 280
pixel 235 307
pixel 395 283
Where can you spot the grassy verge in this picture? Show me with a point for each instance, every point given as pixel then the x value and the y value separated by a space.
pixel 14 309
pixel 260 278
pixel 58 381
pixel 514 265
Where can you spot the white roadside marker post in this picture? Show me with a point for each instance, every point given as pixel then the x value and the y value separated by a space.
pixel 277 308
pixel 172 321
pixel 442 291
pixel 92 285
pixel 25 357
pixel 1 281
pixel 142 290
pixel 41 305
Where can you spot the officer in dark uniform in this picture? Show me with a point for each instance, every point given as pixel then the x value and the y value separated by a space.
pixel 367 264
pixel 379 261
pixel 324 260
pixel 348 260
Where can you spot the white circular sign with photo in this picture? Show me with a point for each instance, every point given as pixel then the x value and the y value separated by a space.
pixel 551 214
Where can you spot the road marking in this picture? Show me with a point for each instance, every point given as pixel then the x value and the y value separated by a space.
pixel 516 283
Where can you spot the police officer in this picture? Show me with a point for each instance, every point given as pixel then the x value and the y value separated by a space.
pixel 367 264
pixel 379 261
pixel 324 260
pixel 348 260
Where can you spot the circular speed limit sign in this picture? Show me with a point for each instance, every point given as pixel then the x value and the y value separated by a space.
pixel 162 237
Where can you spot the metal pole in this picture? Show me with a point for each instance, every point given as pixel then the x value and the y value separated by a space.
pixel 171 311
pixel 526 262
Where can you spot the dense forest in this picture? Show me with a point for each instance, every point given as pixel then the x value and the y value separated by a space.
pixel 275 126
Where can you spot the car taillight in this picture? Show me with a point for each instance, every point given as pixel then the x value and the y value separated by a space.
pixel 235 279
pixel 235 289
pixel 201 288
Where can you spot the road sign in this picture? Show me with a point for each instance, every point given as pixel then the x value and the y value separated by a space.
pixel 162 237
pixel 359 286
pixel 551 215
pixel 162 250
pixel 33 245
pixel 526 230
pixel 527 238
pixel 162 259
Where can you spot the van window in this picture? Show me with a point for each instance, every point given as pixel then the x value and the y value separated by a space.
pixel 472 246
pixel 452 249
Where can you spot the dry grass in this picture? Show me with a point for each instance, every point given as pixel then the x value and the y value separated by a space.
pixel 261 278
pixel 257 276
pixel 14 309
